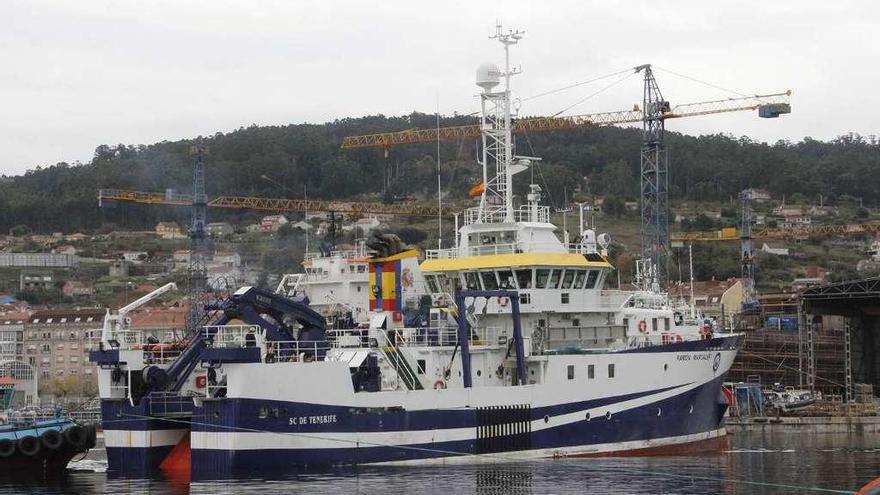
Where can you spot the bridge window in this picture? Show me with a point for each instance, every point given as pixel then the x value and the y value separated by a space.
pixel 611 370
pixel 525 298
pixel 568 279
pixel 579 277
pixel 432 283
pixel 571 372
pixel 489 280
pixel 554 279
pixel 591 371
pixel 506 280
pixel 524 279
pixel 563 298
pixel 592 277
pixel 541 277
pixel 471 281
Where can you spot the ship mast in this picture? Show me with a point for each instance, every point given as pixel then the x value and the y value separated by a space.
pixel 496 200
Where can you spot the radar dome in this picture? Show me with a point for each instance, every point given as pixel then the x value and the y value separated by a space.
pixel 487 76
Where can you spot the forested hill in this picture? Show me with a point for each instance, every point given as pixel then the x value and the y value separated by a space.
pixel 62 197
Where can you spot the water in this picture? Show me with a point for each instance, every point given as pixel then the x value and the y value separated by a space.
pixel 755 463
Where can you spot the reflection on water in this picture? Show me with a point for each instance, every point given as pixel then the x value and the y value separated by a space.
pixel 756 463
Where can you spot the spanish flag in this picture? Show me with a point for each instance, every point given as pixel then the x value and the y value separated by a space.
pixel 477 189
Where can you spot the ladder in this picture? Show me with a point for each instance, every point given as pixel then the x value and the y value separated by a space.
pixel 404 370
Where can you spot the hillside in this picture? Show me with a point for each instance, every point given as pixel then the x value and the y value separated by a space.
pixel 605 161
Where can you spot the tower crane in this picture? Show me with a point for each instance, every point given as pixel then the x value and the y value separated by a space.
pixel 653 114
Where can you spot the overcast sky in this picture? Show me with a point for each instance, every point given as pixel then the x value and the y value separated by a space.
pixel 77 74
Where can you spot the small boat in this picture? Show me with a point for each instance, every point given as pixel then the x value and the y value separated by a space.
pixel 788 399
pixel 38 446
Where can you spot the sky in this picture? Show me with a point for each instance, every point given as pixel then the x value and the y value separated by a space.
pixel 75 75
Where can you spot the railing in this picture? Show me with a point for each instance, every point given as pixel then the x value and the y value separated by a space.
pixel 231 335
pixel 359 252
pixel 291 351
pixel 399 362
pixel 155 352
pixel 170 404
pixel 504 248
pixel 448 336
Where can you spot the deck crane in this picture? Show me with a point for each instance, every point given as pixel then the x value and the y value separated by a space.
pixel 118 323
pixel 654 112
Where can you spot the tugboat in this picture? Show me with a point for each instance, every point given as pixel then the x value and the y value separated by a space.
pixel 42 446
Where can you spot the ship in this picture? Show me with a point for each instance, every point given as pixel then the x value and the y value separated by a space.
pixel 42 446
pixel 506 346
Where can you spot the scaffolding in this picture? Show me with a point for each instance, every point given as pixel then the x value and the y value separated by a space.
pixel 774 353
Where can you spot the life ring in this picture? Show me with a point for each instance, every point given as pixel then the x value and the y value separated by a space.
pixel 643 326
pixel 201 381
pixel 29 446
pixel 51 439
pixel 439 385
pixel 503 301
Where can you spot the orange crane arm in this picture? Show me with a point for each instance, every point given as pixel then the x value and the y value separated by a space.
pixel 271 204
pixel 773 103
pixel 802 232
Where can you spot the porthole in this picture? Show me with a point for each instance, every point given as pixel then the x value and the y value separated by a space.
pixel 665 366
pixel 546 418
pixel 588 416
pixel 479 372
pixel 264 412
pixel 659 411
pixel 608 415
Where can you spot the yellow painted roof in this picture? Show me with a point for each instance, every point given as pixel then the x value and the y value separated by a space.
pixel 409 253
pixel 511 260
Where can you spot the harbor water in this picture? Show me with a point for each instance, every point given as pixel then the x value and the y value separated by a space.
pixel 761 462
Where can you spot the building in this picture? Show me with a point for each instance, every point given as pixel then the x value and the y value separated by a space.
pixel 760 195
pixel 56 344
pixel 719 299
pixel 794 221
pixel 363 226
pixel 169 230
pixel 219 229
pixel 119 268
pixel 76 237
pixel 227 259
pixel 272 223
pixel 38 260
pixel 778 251
pixel 36 281
pixel 302 225
pixel 11 336
pixel 134 255
pixel 77 289
pixel 64 249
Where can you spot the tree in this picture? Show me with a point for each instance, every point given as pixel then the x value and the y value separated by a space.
pixel 20 230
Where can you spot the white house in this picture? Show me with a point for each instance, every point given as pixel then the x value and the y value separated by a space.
pixel 778 251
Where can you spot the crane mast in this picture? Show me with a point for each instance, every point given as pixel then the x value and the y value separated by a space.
pixel 198 253
pixel 654 179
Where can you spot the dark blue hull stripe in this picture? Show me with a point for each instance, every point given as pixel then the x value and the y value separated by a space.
pixel 699 410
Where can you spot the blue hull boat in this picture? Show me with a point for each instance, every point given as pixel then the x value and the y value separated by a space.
pixel 43 446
